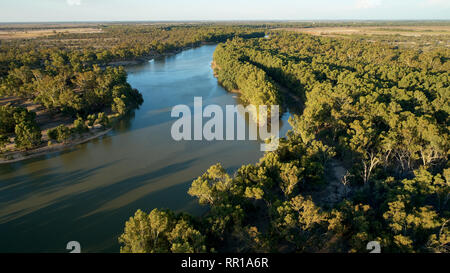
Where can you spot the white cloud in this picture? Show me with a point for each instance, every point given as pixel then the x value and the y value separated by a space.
pixel 367 4
pixel 74 2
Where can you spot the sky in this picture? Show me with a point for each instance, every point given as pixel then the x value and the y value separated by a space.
pixel 185 10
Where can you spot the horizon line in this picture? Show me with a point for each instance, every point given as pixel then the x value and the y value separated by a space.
pixel 227 20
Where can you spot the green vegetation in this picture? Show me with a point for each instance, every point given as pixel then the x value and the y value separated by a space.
pixel 76 75
pixel 236 73
pixel 22 123
pixel 161 232
pixel 380 111
pixel 60 133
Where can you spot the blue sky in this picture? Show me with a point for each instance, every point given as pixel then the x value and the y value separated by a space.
pixel 120 10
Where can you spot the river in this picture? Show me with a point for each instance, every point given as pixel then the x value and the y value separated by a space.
pixel 87 193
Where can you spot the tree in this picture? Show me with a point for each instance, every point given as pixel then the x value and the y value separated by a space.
pixel 209 186
pixel 63 133
pixel 440 243
pixel 290 176
pixel 137 234
pixel 28 135
pixel 161 232
pixel 300 222
pixel 4 140
pixel 7 122
pixel 185 239
pixel 365 141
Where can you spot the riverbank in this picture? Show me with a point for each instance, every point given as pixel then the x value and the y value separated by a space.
pixel 215 67
pixel 18 156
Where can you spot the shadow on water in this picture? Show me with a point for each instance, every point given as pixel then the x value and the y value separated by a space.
pixel 52 218
pixel 45 180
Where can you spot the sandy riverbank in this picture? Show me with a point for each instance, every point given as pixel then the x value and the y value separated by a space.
pixel 17 156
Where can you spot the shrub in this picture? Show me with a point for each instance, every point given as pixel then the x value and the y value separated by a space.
pixel 52 134
pixel 79 126
pixel 60 133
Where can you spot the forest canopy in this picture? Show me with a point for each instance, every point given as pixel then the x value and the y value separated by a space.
pixel 377 111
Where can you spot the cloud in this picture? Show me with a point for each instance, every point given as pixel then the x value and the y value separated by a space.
pixel 368 4
pixel 74 2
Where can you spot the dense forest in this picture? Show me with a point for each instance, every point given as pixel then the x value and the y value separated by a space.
pixel 376 111
pixel 79 77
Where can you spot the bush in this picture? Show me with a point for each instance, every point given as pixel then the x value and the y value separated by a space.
pixel 79 126
pixel 60 133
pixel 63 133
pixel 91 119
pixel 52 134
pixel 102 119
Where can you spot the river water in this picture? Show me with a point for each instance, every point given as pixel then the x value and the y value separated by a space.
pixel 87 193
